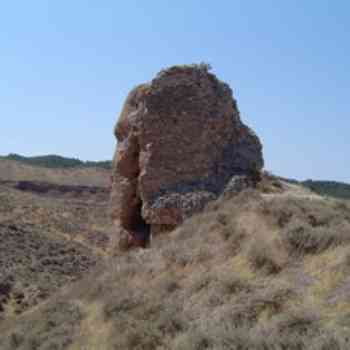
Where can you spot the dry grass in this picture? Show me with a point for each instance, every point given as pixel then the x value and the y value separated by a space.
pixel 251 272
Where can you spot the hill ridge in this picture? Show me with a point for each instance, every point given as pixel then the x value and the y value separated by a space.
pixel 14 170
pixel 336 189
pixel 56 161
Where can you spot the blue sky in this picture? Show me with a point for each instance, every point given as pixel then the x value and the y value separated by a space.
pixel 67 66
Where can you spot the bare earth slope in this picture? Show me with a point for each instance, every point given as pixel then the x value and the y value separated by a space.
pixel 50 235
pixel 267 269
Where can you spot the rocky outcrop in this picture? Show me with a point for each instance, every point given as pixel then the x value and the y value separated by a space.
pixel 180 142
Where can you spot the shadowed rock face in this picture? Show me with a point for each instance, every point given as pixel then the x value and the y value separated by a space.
pixel 180 143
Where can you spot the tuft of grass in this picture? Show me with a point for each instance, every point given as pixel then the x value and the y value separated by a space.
pixel 193 339
pixel 266 256
pixel 138 336
pixel 118 303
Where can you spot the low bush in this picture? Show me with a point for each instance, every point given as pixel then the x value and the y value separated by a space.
pixel 302 238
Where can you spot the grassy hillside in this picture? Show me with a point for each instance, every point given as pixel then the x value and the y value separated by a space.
pixel 264 270
pixel 55 161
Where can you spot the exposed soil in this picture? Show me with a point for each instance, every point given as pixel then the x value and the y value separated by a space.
pixel 50 236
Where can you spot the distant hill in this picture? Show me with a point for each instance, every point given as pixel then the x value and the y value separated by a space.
pixel 80 172
pixel 334 189
pixel 56 172
pixel 329 188
pixel 55 161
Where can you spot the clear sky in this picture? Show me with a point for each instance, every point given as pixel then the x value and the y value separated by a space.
pixel 67 66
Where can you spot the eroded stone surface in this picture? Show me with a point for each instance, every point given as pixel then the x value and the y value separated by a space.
pixel 180 142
